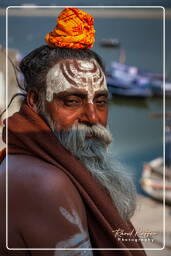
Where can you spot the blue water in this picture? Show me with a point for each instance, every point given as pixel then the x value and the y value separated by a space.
pixel 138 138
pixel 142 39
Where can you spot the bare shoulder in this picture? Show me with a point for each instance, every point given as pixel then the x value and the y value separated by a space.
pixel 38 176
pixel 44 206
pixel 43 203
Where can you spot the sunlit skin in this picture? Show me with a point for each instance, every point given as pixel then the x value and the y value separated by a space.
pixel 68 107
pixel 71 107
pixel 77 94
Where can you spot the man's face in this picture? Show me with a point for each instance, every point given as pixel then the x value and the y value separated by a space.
pixel 76 93
pixel 76 111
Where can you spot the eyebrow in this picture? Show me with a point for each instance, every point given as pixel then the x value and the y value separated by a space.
pixel 101 93
pixel 71 93
pixel 81 94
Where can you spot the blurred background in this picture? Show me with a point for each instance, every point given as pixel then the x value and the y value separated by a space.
pixel 131 42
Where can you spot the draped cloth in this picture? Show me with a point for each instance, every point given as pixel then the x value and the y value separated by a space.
pixel 28 134
pixel 74 29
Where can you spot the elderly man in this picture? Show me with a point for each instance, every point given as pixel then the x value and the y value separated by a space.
pixel 63 189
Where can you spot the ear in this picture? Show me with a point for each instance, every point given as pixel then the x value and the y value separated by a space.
pixel 32 99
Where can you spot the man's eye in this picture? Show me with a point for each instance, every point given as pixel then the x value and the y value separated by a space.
pixel 101 102
pixel 72 102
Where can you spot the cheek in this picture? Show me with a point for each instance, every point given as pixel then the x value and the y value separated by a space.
pixel 64 118
pixel 103 116
pixel 59 117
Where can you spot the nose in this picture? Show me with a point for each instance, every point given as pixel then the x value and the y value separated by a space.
pixel 89 116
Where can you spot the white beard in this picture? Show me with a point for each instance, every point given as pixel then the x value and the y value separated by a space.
pixel 93 153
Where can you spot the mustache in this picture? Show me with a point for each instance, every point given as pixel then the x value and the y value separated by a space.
pixel 83 132
pixel 80 131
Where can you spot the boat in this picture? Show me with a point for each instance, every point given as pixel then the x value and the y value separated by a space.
pixel 131 81
pixel 111 42
pixel 158 88
pixel 130 92
pixel 152 180
pixel 125 80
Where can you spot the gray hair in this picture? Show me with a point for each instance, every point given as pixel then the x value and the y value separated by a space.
pixel 91 146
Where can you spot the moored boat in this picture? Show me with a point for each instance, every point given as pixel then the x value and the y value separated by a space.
pixel 126 80
pixel 111 42
pixel 153 181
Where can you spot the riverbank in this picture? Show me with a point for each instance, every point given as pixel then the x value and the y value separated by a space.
pixel 96 11
pixel 149 215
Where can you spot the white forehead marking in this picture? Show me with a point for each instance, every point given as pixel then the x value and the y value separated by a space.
pixel 80 74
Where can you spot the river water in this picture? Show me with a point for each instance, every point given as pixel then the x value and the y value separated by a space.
pixel 137 136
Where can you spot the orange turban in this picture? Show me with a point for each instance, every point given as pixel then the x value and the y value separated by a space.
pixel 74 29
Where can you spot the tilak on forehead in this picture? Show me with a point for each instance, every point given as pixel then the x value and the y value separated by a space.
pixel 78 74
